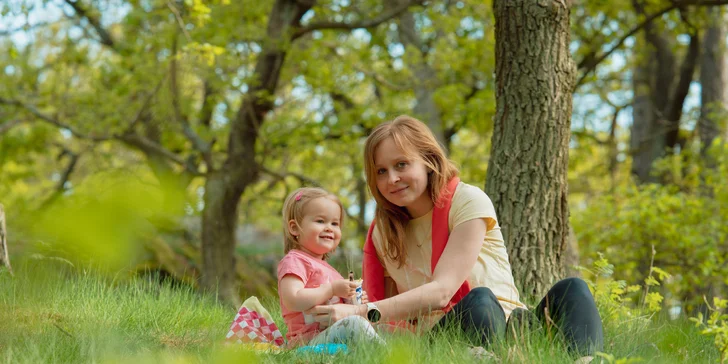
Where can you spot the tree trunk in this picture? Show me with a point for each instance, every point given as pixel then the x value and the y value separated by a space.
pixel 660 91
pixel 4 257
pixel 711 125
pixel 224 187
pixel 643 119
pixel 526 178
pixel 425 80
pixel 713 79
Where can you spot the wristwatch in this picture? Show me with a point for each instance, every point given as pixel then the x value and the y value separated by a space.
pixel 373 314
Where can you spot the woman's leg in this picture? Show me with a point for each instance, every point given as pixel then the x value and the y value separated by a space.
pixel 478 315
pixel 570 305
pixel 348 330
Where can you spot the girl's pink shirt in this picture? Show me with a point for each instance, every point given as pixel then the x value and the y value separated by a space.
pixel 313 272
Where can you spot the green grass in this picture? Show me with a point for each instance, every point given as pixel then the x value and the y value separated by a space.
pixel 56 316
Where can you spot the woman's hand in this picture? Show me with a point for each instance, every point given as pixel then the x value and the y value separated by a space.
pixel 327 315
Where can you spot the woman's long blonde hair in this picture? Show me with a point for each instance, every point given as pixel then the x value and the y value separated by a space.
pixel 415 140
pixel 293 209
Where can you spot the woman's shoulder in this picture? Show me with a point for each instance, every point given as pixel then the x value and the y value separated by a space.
pixel 466 192
pixel 470 202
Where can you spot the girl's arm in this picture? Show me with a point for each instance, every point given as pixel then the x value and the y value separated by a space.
pixel 297 298
pixel 452 270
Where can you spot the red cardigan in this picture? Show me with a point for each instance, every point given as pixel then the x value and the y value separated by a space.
pixel 373 271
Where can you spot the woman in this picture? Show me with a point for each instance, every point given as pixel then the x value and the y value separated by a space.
pixel 435 254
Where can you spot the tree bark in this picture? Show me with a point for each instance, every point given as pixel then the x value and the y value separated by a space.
pixel 714 80
pixel 4 256
pixel 224 187
pixel 660 91
pixel 643 119
pixel 526 178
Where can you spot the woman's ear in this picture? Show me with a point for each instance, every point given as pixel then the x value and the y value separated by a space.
pixel 293 228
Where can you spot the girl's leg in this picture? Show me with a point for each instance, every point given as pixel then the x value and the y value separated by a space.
pixel 570 306
pixel 348 330
pixel 478 314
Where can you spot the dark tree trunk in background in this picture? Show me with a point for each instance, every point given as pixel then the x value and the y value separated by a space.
pixel 660 91
pixel 714 79
pixel 526 179
pixel 643 118
pixel 225 186
pixel 425 78
pixel 712 123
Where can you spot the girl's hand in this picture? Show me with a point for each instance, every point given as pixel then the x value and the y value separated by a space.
pixel 364 296
pixel 343 288
pixel 327 315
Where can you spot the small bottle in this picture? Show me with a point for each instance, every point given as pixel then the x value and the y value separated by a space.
pixel 356 300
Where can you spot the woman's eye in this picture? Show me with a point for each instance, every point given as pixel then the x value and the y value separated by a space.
pixel 381 171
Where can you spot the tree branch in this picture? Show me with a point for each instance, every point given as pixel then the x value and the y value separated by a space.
pixel 207 104
pixel 6 126
pixel 24 28
pixel 128 137
pixel 95 23
pixel 373 75
pixel 145 105
pixel 368 23
pixel 202 146
pixel 590 62
pixel 687 71
pixel 60 187
pixel 282 176
pixel 65 177
pixel 51 120
pixel 151 147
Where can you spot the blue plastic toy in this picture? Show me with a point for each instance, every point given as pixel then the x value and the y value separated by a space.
pixel 329 349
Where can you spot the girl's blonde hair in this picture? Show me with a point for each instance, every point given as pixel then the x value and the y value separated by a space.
pixel 293 209
pixel 415 140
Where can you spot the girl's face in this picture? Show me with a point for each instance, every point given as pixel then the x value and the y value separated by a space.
pixel 402 181
pixel 319 231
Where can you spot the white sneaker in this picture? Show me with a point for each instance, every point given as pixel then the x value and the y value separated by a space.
pixel 479 353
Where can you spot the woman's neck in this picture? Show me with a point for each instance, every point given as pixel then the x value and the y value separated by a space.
pixel 421 206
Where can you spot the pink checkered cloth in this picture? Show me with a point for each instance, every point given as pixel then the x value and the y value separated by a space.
pixel 251 327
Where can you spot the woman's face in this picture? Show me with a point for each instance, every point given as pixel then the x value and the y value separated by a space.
pixel 402 180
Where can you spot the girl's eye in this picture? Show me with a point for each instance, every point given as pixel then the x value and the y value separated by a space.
pixel 335 223
pixel 321 221
pixel 381 171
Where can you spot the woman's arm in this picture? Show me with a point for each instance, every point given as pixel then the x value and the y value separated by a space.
pixel 452 270
pixel 297 298
pixel 390 287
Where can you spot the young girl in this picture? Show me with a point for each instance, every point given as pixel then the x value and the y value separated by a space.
pixel 435 252
pixel 312 220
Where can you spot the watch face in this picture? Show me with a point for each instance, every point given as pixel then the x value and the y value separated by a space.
pixel 373 315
